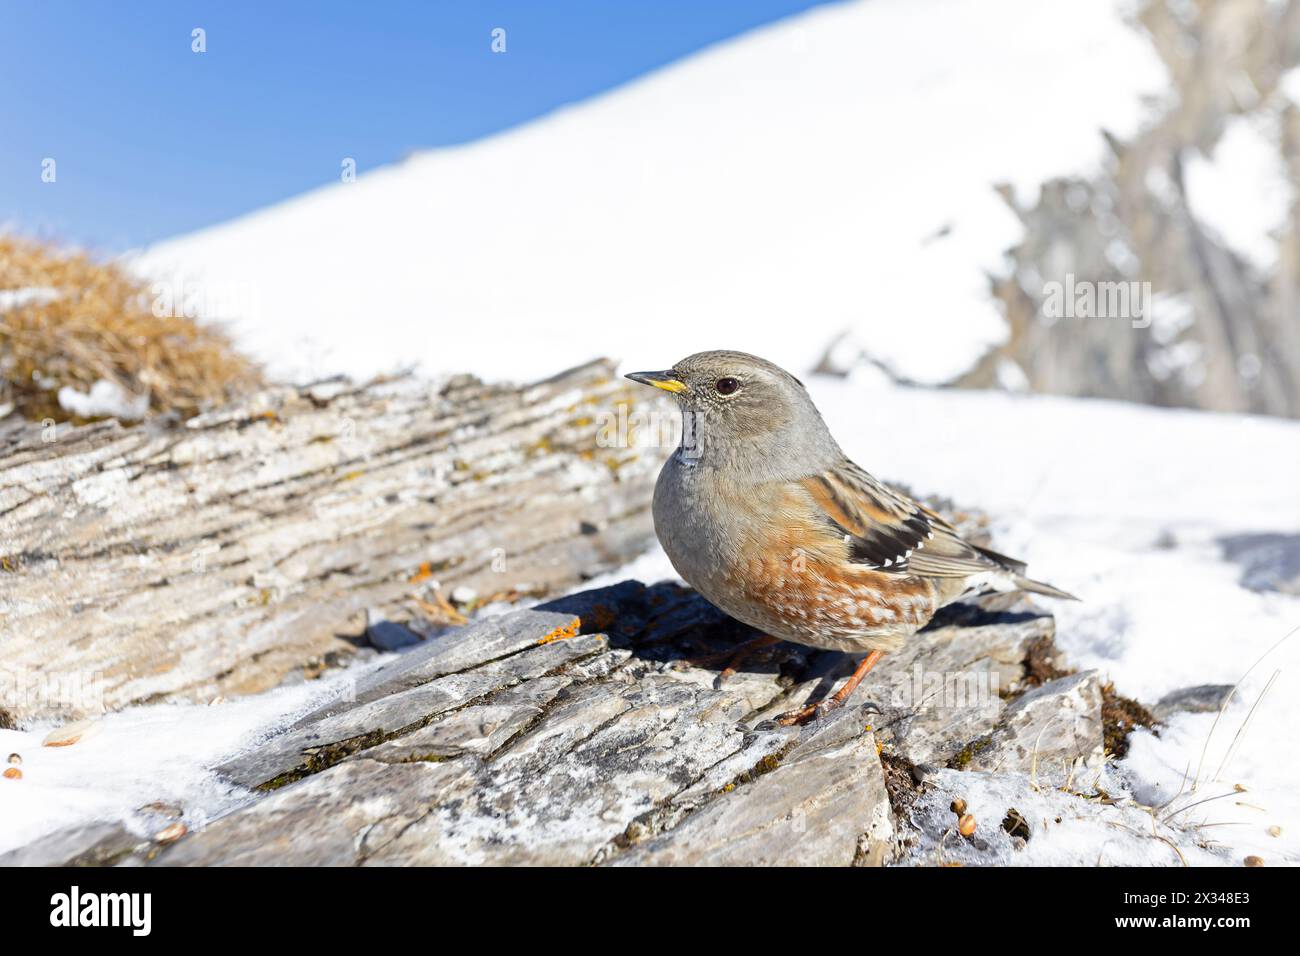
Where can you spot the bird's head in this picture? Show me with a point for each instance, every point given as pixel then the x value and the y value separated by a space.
pixel 742 407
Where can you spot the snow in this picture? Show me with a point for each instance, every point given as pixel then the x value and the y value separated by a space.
pixel 1242 191
pixel 1290 85
pixel 145 755
pixel 105 398
pixel 802 181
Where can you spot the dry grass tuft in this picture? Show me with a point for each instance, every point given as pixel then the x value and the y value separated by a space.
pixel 66 320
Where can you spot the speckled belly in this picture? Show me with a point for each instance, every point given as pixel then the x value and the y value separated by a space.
pixel 828 608
pixel 754 562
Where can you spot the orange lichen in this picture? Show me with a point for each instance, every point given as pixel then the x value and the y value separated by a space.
pixel 564 632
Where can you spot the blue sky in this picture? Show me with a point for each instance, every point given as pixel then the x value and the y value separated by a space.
pixel 151 139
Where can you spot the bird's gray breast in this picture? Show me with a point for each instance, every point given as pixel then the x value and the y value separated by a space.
pixel 696 527
pixel 684 518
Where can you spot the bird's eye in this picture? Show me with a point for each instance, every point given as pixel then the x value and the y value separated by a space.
pixel 725 386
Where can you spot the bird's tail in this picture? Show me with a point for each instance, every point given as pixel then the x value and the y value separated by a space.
pixel 1038 587
pixel 1017 569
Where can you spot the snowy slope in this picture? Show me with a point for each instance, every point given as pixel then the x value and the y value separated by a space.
pixel 831 172
pixel 1122 505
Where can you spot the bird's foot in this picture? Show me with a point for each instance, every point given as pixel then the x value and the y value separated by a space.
pixel 813 711
pixel 806 715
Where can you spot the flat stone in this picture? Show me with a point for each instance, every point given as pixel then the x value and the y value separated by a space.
pixel 1048 732
pixel 387 635
pixel 338 817
pixel 1269 561
pixel 821 806
pixel 96 844
pixel 346 727
pixel 1201 699
pixel 70 734
pixel 480 729
pixel 463 648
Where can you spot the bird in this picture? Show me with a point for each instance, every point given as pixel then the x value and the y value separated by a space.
pixel 762 513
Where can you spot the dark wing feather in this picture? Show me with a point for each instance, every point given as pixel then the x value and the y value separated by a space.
pixel 887 530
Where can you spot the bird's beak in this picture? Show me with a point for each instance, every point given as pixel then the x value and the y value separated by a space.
pixel 668 381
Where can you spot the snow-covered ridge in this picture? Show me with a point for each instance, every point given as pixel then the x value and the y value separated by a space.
pixel 831 172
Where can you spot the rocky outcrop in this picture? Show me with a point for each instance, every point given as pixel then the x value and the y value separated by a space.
pixel 591 729
pixel 1219 329
pixel 1050 731
pixel 300 529
pixel 581 732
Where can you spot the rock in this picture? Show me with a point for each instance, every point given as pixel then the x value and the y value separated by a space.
pixel 464 648
pixel 385 635
pixel 1137 223
pixel 564 791
pixel 170 833
pixel 69 734
pixel 1201 699
pixel 1047 731
pixel 579 732
pixel 1269 562
pixel 353 725
pixel 336 818
pixel 221 556
pixel 825 804
pixel 96 844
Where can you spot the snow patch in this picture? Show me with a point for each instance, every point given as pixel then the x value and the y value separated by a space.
pixel 1242 191
pixel 145 755
pixel 106 399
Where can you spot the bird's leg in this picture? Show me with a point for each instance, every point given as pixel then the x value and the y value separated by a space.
pixel 734 656
pixel 813 711
pixel 743 654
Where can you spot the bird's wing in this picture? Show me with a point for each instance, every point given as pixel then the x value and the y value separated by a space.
pixel 887 530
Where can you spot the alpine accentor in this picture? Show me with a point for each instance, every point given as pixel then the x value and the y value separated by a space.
pixel 760 511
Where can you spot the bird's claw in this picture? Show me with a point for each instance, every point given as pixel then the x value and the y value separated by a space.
pixel 806 715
